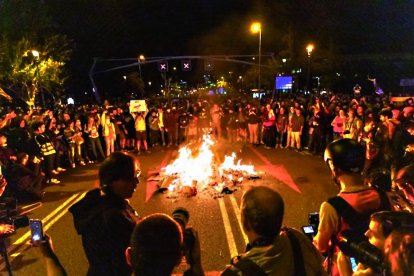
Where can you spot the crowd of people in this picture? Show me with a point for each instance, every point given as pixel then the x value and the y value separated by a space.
pixel 367 142
pixel 41 143
pixel 118 242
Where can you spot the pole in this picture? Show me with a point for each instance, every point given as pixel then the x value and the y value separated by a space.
pixel 94 88
pixel 39 86
pixel 260 58
pixel 308 74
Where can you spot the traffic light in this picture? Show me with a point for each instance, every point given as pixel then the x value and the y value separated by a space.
pixel 186 65
pixel 163 66
pixel 208 65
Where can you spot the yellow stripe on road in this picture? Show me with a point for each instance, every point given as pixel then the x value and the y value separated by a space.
pixel 238 216
pixel 61 214
pixel 227 229
pixel 47 222
pixel 47 218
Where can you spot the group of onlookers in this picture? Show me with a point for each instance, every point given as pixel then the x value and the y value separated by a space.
pixel 368 142
pixel 56 139
pixel 360 232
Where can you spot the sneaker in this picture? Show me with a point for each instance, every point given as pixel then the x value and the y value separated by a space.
pixel 73 166
pixel 82 163
pixel 91 162
pixel 59 169
pixel 55 172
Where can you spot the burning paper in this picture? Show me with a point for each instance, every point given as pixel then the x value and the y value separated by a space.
pixel 199 169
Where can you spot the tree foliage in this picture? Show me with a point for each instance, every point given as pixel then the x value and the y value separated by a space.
pixel 26 27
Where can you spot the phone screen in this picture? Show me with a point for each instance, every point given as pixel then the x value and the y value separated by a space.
pixel 308 229
pixel 353 264
pixel 36 228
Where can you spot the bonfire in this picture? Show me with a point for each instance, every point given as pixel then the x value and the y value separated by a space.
pixel 199 169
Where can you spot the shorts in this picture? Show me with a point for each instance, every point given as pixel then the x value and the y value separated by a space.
pixel 141 135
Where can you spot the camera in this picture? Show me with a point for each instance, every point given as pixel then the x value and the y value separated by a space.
pixel 311 229
pixel 9 214
pixel 181 215
pixel 362 251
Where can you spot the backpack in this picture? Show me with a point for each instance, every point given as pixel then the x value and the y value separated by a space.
pixel 357 222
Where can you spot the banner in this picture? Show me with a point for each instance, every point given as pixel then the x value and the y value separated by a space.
pixel 137 106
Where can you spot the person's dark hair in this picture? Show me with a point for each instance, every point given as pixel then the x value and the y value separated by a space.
pixel 263 208
pixel 35 125
pixel 156 245
pixel 116 166
pixel 386 113
pixel 399 252
pixel 392 220
pixel 346 154
pixel 20 156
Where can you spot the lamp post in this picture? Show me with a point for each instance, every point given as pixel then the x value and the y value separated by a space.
pixel 255 28
pixel 36 57
pixel 240 81
pixel 309 49
pixel 141 58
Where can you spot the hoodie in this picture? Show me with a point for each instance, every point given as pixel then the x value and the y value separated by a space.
pixel 105 223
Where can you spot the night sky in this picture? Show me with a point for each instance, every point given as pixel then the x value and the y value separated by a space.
pixel 123 28
pixel 127 28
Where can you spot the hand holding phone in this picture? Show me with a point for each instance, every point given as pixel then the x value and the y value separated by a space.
pixel 308 230
pixel 353 264
pixel 36 229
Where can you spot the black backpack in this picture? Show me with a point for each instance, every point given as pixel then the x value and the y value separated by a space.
pixel 357 222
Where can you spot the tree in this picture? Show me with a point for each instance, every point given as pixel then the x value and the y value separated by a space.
pixel 34 55
pixel 135 82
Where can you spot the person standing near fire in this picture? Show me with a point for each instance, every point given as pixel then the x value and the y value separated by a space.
pixel 105 220
pixel 141 129
pixel 253 120
pixel 109 133
pixel 161 124
pixel 171 125
pixel 297 123
pixel 216 114
pixel 269 127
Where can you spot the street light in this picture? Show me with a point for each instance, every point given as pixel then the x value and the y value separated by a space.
pixel 255 28
pixel 309 48
pixel 36 57
pixel 35 53
pixel 141 58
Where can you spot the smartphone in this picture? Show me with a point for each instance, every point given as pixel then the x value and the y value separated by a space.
pixel 36 228
pixel 353 264
pixel 308 229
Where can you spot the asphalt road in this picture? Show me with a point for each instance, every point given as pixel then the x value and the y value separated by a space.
pixel 303 180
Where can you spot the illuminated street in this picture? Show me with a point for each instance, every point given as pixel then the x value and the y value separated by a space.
pixel 303 180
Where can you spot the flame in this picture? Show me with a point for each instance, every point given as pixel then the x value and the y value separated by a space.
pixel 199 170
